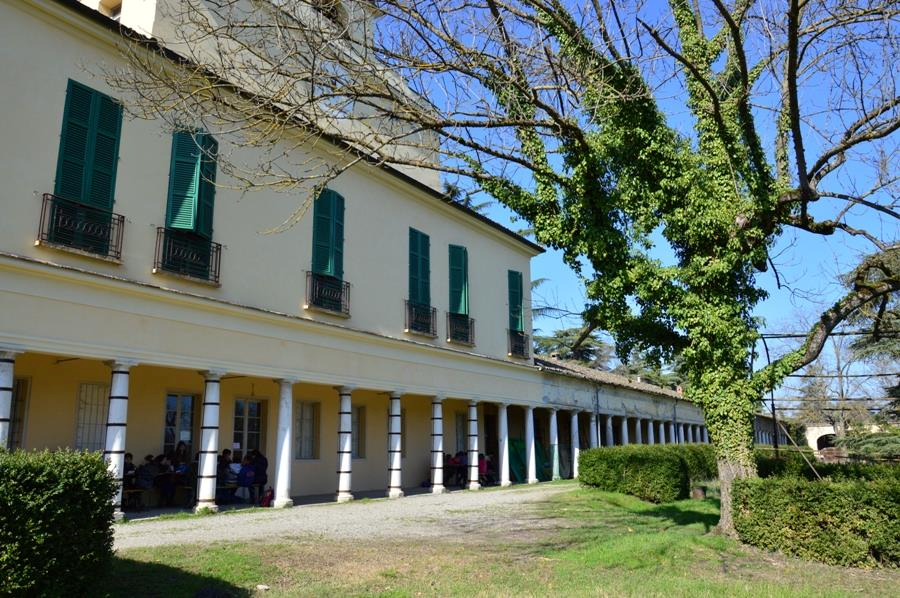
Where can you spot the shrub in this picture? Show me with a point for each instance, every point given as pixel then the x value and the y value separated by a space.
pixel 55 521
pixel 791 464
pixel 646 472
pixel 699 458
pixel 873 445
pixel 843 523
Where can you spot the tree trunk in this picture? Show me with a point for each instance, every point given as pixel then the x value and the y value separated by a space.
pixel 728 472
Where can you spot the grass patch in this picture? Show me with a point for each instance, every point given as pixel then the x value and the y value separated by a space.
pixel 601 544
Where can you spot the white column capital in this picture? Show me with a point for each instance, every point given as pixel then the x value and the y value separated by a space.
pixel 345 390
pixel 7 352
pixel 213 375
pixel 473 403
pixel 438 398
pixel 288 380
pixel 395 394
pixel 122 365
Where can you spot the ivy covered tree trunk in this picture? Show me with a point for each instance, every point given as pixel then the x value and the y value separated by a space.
pixel 731 433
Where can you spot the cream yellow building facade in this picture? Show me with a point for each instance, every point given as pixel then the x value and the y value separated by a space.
pixel 114 345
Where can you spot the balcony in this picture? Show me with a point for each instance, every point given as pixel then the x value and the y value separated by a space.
pixel 72 225
pixel 460 329
pixel 327 293
pixel 421 319
pixel 517 344
pixel 187 254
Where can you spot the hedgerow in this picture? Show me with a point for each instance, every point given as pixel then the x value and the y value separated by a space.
pixel 56 521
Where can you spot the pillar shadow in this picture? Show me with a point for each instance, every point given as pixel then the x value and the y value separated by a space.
pixel 130 578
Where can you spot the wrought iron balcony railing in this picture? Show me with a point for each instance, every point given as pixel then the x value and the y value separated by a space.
pixel 517 344
pixel 460 329
pixel 78 226
pixel 188 254
pixel 421 319
pixel 328 293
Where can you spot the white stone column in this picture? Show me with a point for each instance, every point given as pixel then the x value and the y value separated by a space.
pixel 209 443
pixel 705 435
pixel 437 445
pixel 661 429
pixel 595 441
pixel 610 437
pixel 638 433
pixel 7 381
pixel 345 445
pixel 624 430
pixel 682 435
pixel 673 437
pixel 554 443
pixel 116 426
pixel 530 457
pixel 690 433
pixel 650 432
pixel 576 445
pixel 284 438
pixel 473 446
pixel 395 449
pixel 503 441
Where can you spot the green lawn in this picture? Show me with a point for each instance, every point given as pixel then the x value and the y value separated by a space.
pixel 605 545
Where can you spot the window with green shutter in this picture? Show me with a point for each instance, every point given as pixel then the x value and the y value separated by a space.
pixel 89 147
pixel 419 268
pixel 328 234
pixel 516 315
pixel 459 280
pixel 192 183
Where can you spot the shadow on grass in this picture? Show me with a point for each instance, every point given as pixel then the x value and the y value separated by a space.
pixel 131 578
pixel 681 514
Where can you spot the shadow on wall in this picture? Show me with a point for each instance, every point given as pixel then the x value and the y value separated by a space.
pixel 128 577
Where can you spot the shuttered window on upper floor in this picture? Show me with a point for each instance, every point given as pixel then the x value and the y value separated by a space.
pixel 419 268
pixel 89 147
pixel 192 183
pixel 459 280
pixel 328 234
pixel 516 315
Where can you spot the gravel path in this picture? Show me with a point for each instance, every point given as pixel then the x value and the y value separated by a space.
pixel 465 516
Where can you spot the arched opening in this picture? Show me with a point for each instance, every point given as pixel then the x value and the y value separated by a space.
pixel 825 441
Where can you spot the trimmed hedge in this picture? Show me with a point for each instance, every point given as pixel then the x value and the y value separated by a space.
pixel 841 523
pixel 56 521
pixel 791 464
pixel 699 458
pixel 639 470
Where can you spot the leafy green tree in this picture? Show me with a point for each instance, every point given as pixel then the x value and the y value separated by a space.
pixel 611 127
pixel 592 350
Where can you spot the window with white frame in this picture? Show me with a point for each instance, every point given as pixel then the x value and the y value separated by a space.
pixel 358 431
pixel 462 432
pixel 17 414
pixel 248 427
pixel 307 426
pixel 90 422
pixel 179 423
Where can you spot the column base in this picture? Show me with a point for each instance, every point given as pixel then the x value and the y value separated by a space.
pixel 206 506
pixel 395 493
pixel 556 478
pixel 283 503
pixel 441 489
pixel 474 486
pixel 505 484
pixel 344 497
pixel 118 515
pixel 533 481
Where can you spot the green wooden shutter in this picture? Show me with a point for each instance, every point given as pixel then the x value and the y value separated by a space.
pixel 206 196
pixel 184 182
pixel 328 234
pixel 101 182
pixel 516 317
pixel 89 147
pixel 414 265
pixel 338 239
pixel 459 280
pixel 425 269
